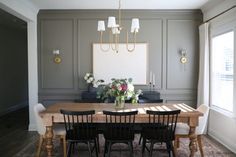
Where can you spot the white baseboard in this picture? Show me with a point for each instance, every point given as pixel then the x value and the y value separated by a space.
pixel 14 108
pixel 228 143
pixel 32 127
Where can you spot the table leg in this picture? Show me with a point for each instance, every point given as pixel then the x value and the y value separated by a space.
pixel 193 141
pixel 49 143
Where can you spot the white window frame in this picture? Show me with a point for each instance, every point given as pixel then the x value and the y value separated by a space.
pixel 214 32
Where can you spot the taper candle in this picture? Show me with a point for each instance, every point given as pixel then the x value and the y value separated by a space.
pixel 150 77
pixel 153 79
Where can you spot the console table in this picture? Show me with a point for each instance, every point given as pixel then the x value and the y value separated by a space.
pixel 146 97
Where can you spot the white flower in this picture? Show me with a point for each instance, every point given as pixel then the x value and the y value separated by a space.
pixel 85 77
pixel 91 79
pixel 88 81
pixel 87 74
pixel 95 85
pixel 130 87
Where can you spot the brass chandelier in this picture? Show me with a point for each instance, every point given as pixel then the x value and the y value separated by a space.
pixel 115 30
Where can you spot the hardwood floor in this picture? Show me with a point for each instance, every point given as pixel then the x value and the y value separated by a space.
pixel 14 134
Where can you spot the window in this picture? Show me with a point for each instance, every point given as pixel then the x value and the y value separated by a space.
pixel 222 68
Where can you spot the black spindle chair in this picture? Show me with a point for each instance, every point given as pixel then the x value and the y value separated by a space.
pixel 80 129
pixel 119 128
pixel 160 129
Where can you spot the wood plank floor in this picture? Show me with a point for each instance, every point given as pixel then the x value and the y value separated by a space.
pixel 14 135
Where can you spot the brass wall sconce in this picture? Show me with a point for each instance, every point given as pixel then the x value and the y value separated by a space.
pixel 183 58
pixel 57 57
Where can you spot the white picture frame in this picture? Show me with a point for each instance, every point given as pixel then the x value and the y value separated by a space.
pixel 121 64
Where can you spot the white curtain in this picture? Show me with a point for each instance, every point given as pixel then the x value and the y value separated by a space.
pixel 204 73
pixel 204 66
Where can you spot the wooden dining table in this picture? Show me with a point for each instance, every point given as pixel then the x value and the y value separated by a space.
pixel 52 115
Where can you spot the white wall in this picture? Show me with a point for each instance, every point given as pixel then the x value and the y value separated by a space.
pixel 25 10
pixel 222 127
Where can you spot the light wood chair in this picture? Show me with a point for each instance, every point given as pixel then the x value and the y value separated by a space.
pixel 182 129
pixel 58 130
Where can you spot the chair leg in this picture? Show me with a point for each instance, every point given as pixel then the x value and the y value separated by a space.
pixel 131 148
pixel 109 149
pixel 168 146
pixel 105 148
pixel 175 145
pixel 39 146
pixel 98 143
pixel 199 140
pixel 140 139
pixel 89 149
pixel 151 149
pixel 172 149
pixel 144 145
pixel 63 137
pixel 69 150
pixel 96 146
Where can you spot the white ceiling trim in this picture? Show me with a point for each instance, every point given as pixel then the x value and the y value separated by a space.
pixel 113 4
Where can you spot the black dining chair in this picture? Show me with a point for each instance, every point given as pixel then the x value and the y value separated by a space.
pixel 80 129
pixel 160 129
pixel 119 128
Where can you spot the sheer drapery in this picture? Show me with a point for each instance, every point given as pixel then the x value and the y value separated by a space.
pixel 204 68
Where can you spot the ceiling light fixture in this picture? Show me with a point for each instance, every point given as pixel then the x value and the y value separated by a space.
pixel 115 30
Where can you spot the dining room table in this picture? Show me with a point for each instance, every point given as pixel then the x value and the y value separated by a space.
pixel 187 115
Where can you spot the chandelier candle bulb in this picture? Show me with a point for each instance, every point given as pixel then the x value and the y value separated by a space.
pixel 101 26
pixel 111 22
pixel 135 25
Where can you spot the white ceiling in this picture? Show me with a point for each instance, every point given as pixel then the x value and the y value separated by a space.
pixel 113 4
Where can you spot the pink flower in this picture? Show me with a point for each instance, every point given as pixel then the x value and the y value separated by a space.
pixel 124 87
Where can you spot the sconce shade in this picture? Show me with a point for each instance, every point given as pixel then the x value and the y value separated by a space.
pixel 56 52
pixel 111 22
pixel 135 25
pixel 101 26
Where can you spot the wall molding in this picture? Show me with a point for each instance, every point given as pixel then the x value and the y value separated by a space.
pixel 14 108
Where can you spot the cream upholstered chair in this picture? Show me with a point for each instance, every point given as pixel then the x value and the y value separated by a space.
pixel 182 130
pixel 58 130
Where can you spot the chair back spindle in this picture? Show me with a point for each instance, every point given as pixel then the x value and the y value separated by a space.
pixel 161 125
pixel 119 125
pixel 79 124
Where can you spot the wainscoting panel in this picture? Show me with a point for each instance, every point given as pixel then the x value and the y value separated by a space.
pixel 87 34
pixel 182 34
pixel 57 34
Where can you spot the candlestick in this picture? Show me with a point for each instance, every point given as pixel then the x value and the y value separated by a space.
pixel 153 79
pixel 150 77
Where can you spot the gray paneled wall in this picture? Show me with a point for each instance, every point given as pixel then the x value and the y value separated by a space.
pixel 74 32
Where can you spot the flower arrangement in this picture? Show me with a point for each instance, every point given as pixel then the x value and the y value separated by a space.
pixel 120 89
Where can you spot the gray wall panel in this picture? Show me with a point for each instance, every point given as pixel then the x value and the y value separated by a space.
pixel 57 34
pixel 182 34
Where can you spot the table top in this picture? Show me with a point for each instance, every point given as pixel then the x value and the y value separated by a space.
pixel 52 113
pixel 99 107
